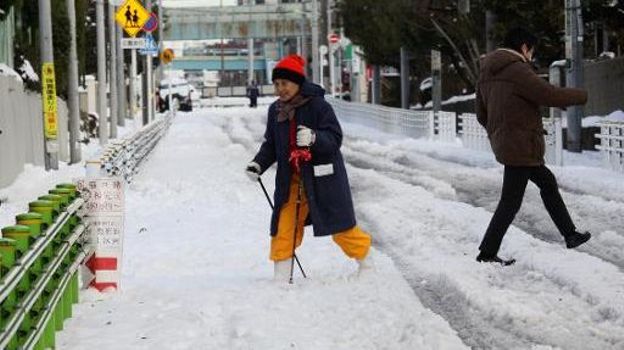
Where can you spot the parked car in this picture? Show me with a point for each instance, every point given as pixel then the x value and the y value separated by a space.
pixel 181 94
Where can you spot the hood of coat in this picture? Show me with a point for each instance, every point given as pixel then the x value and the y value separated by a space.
pixel 311 89
pixel 496 61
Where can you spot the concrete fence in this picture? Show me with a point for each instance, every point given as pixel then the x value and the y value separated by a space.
pixel 21 127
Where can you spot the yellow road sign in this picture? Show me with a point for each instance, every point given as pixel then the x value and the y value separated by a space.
pixel 50 123
pixel 167 56
pixel 131 16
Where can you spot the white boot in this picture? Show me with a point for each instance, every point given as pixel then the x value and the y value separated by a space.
pixel 281 270
pixel 366 264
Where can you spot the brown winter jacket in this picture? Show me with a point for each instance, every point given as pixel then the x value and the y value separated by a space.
pixel 509 95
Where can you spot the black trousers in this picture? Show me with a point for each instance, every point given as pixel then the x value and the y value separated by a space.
pixel 514 184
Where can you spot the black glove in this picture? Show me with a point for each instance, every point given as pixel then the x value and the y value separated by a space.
pixel 253 171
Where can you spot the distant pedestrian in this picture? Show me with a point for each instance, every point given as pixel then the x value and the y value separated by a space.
pixel 252 93
pixel 303 136
pixel 508 99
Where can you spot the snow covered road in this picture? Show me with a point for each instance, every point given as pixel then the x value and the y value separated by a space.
pixel 196 273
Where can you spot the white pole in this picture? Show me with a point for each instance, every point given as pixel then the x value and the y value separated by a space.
pixel 112 38
pixel 50 147
pixel 72 91
pixel 332 73
pixel 101 72
pixel 132 88
pixel 315 45
pixel 169 94
pixel 121 81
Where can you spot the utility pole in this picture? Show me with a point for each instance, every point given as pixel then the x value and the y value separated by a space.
pixel 222 74
pixel 376 97
pixel 147 81
pixel 332 69
pixel 405 88
pixel 72 87
pixel 112 38
pixel 101 72
pixel 574 55
pixel 250 49
pixel 490 21
pixel 50 143
pixel 121 80
pixel 315 44
pixel 436 81
pixel 132 88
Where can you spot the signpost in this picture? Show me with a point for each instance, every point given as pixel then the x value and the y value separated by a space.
pixel 104 203
pixel 50 122
pixel 131 16
pixel 133 43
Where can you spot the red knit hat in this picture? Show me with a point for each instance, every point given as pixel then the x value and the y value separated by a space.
pixel 291 68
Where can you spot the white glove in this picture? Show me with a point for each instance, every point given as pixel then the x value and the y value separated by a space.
pixel 253 171
pixel 305 136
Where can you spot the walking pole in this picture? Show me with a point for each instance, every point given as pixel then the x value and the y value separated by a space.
pixel 297 206
pixel 271 205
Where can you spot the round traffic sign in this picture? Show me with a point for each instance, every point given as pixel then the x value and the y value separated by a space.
pixel 151 24
pixel 333 38
pixel 167 56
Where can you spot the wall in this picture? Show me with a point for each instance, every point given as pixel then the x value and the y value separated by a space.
pixel 604 80
pixel 21 123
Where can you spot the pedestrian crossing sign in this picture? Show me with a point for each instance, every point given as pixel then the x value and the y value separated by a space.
pixel 131 16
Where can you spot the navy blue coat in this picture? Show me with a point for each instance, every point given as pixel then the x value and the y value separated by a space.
pixel 327 191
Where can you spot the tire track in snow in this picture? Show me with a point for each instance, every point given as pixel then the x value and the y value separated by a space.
pixel 481 188
pixel 490 307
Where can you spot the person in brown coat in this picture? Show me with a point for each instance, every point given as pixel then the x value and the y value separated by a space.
pixel 509 95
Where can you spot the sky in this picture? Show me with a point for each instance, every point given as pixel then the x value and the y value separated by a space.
pixel 196 274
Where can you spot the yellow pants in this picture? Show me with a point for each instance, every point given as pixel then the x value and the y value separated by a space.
pixel 354 242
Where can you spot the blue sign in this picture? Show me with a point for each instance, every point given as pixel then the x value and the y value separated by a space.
pixel 151 48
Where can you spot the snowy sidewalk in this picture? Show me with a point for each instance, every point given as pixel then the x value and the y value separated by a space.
pixel 196 273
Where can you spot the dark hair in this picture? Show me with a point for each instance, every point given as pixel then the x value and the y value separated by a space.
pixel 516 37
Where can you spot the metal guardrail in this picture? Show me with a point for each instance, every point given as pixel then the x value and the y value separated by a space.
pixel 612 144
pixel 123 158
pixel 41 281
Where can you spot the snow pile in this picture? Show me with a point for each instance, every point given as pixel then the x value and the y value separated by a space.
pixel 9 72
pixel 28 72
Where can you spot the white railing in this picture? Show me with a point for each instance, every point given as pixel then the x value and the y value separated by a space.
pixel 612 145
pixel 474 136
pixel 445 126
pixel 395 120
pixel 123 158
pixel 441 127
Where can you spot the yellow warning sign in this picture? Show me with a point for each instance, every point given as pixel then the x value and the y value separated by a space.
pixel 131 16
pixel 167 56
pixel 50 123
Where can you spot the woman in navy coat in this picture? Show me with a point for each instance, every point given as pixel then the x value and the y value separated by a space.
pixel 304 137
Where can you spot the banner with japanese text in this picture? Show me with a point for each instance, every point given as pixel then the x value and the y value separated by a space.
pixel 50 120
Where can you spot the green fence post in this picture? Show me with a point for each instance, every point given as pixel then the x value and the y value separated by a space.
pixel 49 334
pixel 7 251
pixel 46 209
pixel 75 287
pixel 71 187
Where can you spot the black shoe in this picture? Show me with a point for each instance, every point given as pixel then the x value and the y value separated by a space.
pixel 495 259
pixel 576 239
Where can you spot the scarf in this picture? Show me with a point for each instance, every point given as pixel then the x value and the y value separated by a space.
pixel 286 111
